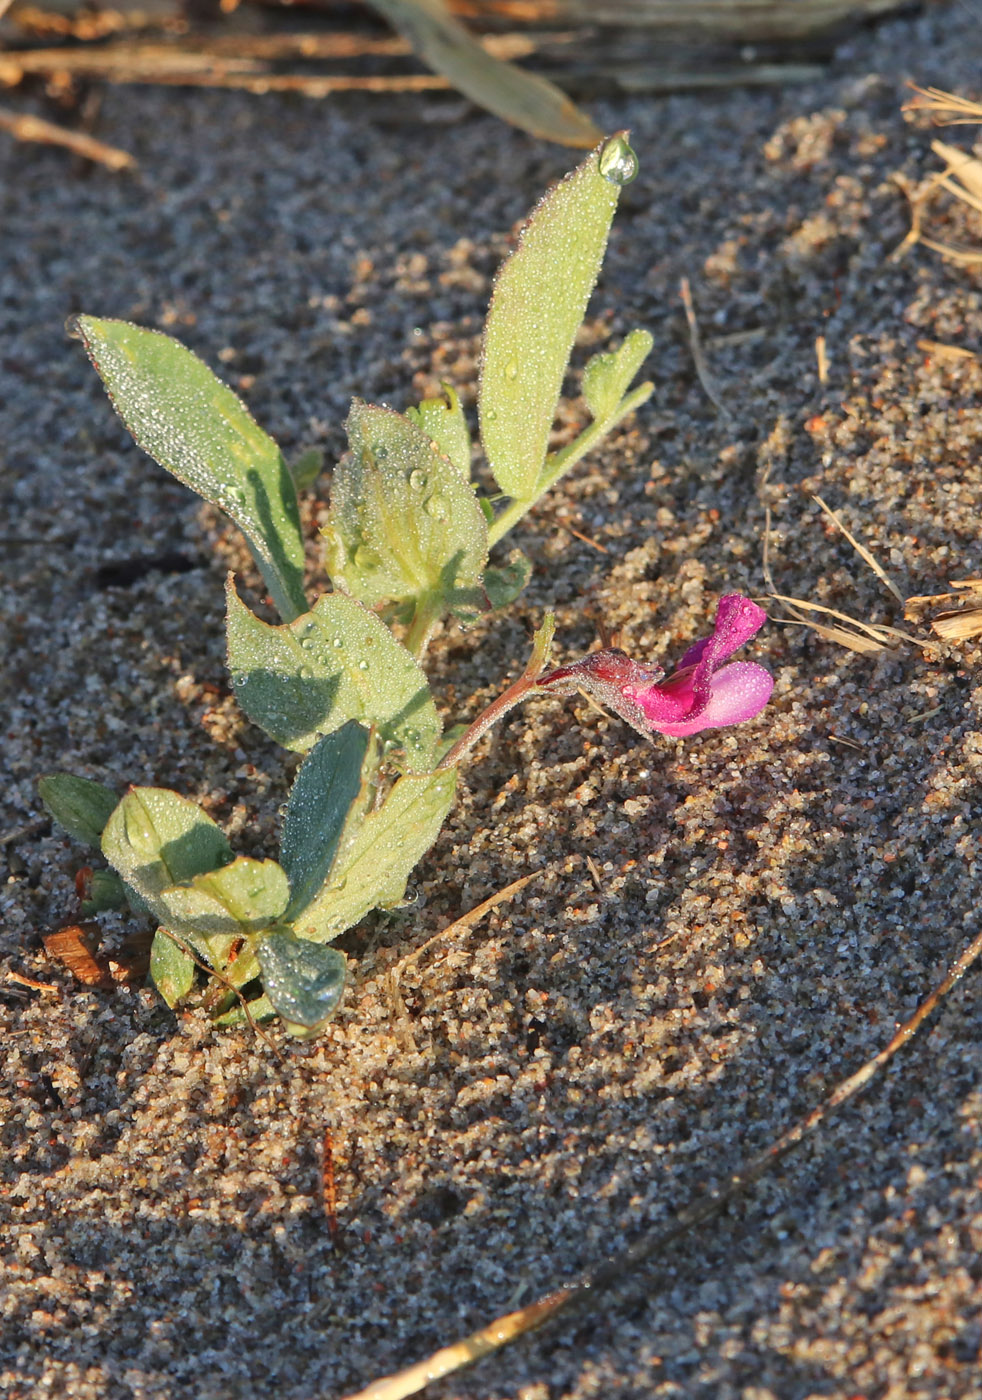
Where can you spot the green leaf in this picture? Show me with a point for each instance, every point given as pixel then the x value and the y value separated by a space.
pixel 522 98
pixel 443 421
pixel 338 662
pixel 607 377
pixel 304 981
pixel 504 582
pixel 539 301
pixel 105 891
pixel 192 424
pixel 171 970
pixel 180 865
pixel 404 524
pixel 79 805
pixel 327 783
pixel 232 902
pixel 377 854
pixel 260 1009
pixel 307 468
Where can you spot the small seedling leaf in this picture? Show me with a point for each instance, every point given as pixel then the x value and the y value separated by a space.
pixel 306 468
pixel 607 377
pixel 79 805
pixel 304 981
pixel 191 423
pixel 404 523
pixel 327 783
pixel 539 301
pixel 105 890
pixel 339 662
pixel 443 421
pixel 504 582
pixel 377 854
pixel 171 969
pixel 236 900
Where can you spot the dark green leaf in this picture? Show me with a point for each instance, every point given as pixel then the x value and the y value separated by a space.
pixel 105 891
pixel 328 781
pixel 304 981
pixel 79 805
pixel 338 662
pixel 192 424
pixel 504 582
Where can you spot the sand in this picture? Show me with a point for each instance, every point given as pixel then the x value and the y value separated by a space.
pixel 719 929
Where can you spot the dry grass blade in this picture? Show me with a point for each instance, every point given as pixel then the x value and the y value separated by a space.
pixel 695 344
pixel 620 1268
pixel 25 127
pixel 946 352
pixel 524 99
pixel 948 107
pixel 862 551
pixel 466 921
pixel 878 631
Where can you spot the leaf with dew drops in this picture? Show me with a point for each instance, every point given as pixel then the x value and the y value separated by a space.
pixel 171 968
pixel 327 783
pixel 608 375
pixel 404 524
pixel 377 854
pixel 337 662
pixel 79 805
pixel 442 420
pixel 192 424
pixel 304 981
pixel 540 298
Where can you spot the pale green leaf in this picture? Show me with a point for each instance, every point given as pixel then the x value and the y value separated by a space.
pixel 79 805
pixel 327 783
pixel 539 301
pixel 339 662
pixel 304 981
pixel 404 524
pixel 378 853
pixel 608 376
pixel 232 902
pixel 171 970
pixel 443 421
pixel 193 424
pixel 524 99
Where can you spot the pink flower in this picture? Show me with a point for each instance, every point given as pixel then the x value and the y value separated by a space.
pixel 701 694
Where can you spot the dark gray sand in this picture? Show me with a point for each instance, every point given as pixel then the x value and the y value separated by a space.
pixel 763 904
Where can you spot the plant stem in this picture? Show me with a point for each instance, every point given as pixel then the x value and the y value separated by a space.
pixel 425 618
pixel 508 699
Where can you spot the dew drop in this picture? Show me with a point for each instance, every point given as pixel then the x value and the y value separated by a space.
pixel 306 673
pixel 417 479
pixel 618 163
pixel 73 328
pixel 511 369
pixel 436 508
pixel 239 680
pixel 363 665
pixel 338 642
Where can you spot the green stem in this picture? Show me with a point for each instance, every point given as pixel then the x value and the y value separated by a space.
pixel 425 617
pixel 559 463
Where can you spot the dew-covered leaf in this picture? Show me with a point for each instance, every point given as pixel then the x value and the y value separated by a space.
pixel 539 301
pixel 504 582
pixel 156 839
pixel 104 890
pixel 608 376
pixel 191 423
pixel 443 421
pixel 79 805
pixel 338 662
pixel 524 99
pixel 377 854
pixel 171 970
pixel 304 981
pixel 327 783
pixel 238 899
pixel 404 524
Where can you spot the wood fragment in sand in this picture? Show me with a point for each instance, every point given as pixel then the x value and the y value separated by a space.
pixel 25 127
pixel 616 1274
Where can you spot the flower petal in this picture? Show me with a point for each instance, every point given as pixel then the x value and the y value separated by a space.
pixel 739 691
pixel 737 619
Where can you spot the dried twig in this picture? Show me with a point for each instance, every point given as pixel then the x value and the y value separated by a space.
pixel 613 1273
pixel 466 921
pixel 695 345
pixel 25 127
pixel 862 551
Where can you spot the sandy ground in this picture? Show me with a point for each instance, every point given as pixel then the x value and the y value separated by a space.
pixel 720 928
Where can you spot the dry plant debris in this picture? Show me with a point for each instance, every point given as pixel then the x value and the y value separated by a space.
pixel 961 176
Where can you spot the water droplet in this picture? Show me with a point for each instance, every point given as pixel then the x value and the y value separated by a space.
pixel 239 680
pixel 417 480
pixel 618 163
pixel 363 665
pixel 306 673
pixel 72 329
pixel 338 642
pixel 379 451
pixel 511 369
pixel 436 508
pixel 308 643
